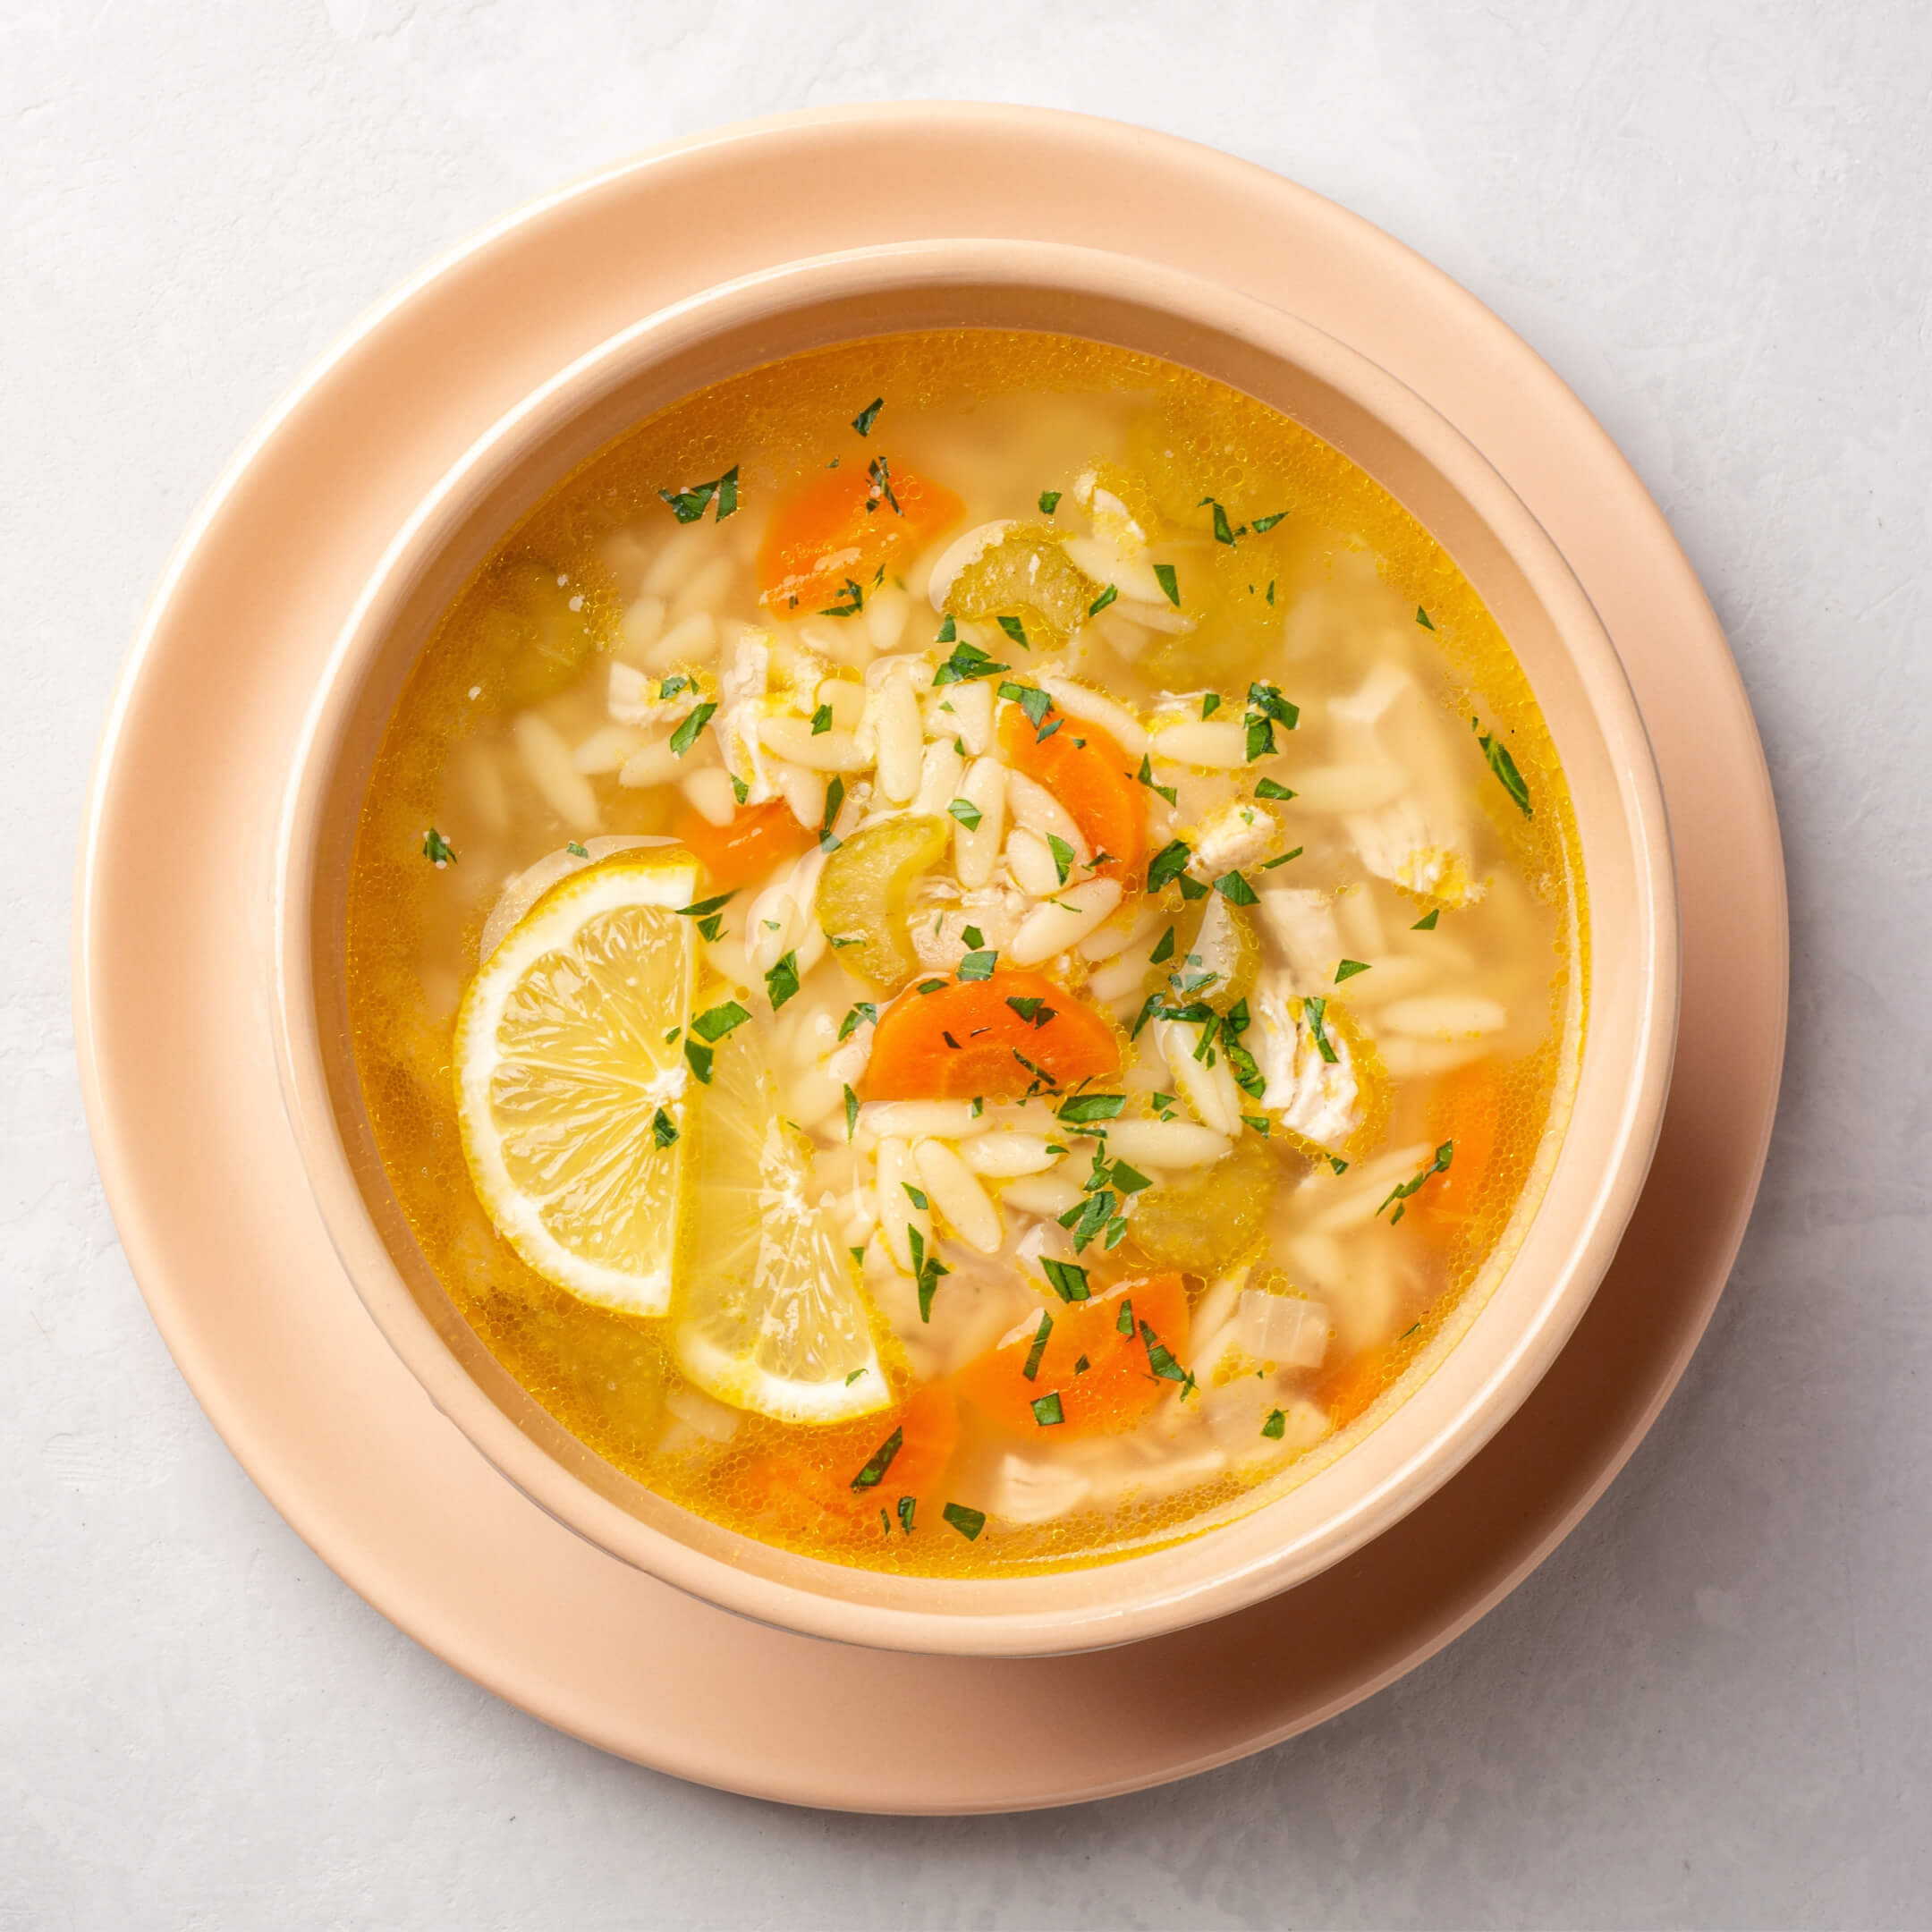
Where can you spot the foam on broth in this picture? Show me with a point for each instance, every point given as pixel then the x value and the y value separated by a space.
pixel 1437 928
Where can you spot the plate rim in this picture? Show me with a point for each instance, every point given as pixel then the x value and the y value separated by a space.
pixel 1159 153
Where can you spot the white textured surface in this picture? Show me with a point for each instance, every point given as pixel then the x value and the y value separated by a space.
pixel 1714 1706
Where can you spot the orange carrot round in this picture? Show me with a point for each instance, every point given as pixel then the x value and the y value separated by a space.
pixel 1115 1389
pixel 758 838
pixel 989 1038
pixel 1089 773
pixel 853 1471
pixel 839 527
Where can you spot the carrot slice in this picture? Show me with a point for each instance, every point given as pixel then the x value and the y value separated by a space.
pixel 758 838
pixel 989 1038
pixel 1089 773
pixel 850 1473
pixel 838 526
pixel 1109 1333
pixel 1467 1109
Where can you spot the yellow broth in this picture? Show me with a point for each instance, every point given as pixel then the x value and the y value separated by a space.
pixel 1403 859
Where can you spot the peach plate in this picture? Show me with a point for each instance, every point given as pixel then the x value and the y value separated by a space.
pixel 202 1170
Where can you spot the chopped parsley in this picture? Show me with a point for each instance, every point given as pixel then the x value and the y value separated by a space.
pixel 821 721
pixel 1236 890
pixel 968 813
pixel 781 981
pixel 851 1115
pixel 969 1523
pixel 1275 1427
pixel 1067 1279
pixel 1268 865
pixel 438 850
pixel 1063 855
pixel 663 1128
pixel 1170 862
pixel 1159 1360
pixel 1400 1195
pixel 1348 969
pixel 1268 788
pixel 1031 1367
pixel 967 662
pixel 1035 702
pixel 835 800
pixel 1262 525
pixel 879 479
pixel 1259 1123
pixel 1210 703
pixel 862 422
pixel 848 602
pixel 1046 1409
pixel 1313 1011
pixel 978 965
pixel 1163 950
pixel 1496 755
pixel 1080 1108
pixel 1101 602
pixel 874 1473
pixel 1266 709
pixel 862 1013
pixel 1016 631
pixel 1426 923
pixel 740 791
pixel 917 1196
pixel 700 1057
pixel 1123 1321
pixel 715 1022
pixel 686 735
pixel 1169 584
pixel 708 913
pixel 1146 776
pixel 1049 501
pixel 1422 618
pixel 688 506
pixel 906 1505
pixel 577 851
pixel 926 1269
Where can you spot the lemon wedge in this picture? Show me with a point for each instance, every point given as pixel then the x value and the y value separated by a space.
pixel 772 1319
pixel 572 1085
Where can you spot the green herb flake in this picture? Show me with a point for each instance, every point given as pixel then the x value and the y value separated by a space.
pixel 438 850
pixel 948 631
pixel 1101 602
pixel 1210 703
pixel 968 813
pixel 1313 1011
pixel 663 1128
pixel 1031 1368
pixel 1067 1279
pixel 1422 618
pixel 700 1057
pixel 1191 888
pixel 740 791
pixel 969 1523
pixel 1236 890
pixel 715 1022
pixel 967 662
pixel 1123 1321
pixel 1062 855
pixel 1444 1153
pixel 1049 501
pixel 1079 1109
pixel 1169 584
pixel 978 965
pixel 848 602
pixel 688 506
pixel 1128 1180
pixel 1426 923
pixel 1046 1409
pixel 1275 1427
pixel 1146 776
pixel 1159 1358
pixel 874 1473
pixel 1016 631
pixel 1259 1123
pixel 782 982
pixel 686 735
pixel 917 1196
pixel 878 477
pixel 1495 753
pixel 1268 788
pixel 1170 862
pixel 1268 865
pixel 931 986
pixel 1348 969
pixel 577 851
pixel 1035 702
pixel 926 1269
pixel 821 721
pixel 1262 525
pixel 862 1013
pixel 862 422
pixel 1224 531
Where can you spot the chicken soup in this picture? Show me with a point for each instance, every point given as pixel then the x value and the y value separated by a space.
pixel 962 948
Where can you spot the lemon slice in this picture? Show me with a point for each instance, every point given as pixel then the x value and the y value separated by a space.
pixel 773 1318
pixel 572 1087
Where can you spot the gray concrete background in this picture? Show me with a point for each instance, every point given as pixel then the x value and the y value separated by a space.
pixel 1714 1706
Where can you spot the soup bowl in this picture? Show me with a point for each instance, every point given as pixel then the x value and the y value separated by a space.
pixel 1508 1327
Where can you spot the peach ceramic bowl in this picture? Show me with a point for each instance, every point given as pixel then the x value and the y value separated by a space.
pixel 1509 1328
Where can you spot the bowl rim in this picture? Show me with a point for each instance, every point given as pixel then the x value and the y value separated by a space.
pixel 1075 1617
